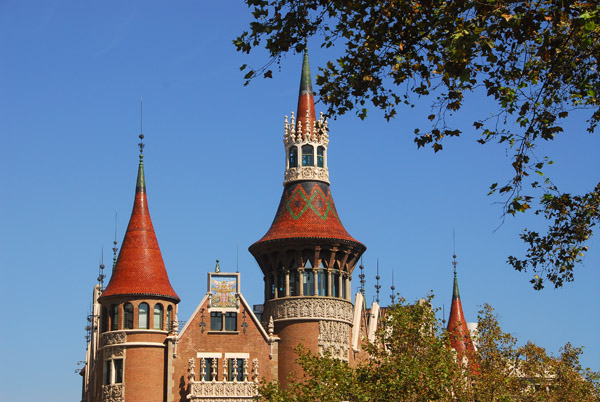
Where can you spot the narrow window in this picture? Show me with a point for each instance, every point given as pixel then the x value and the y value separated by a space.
pixel 344 287
pixel 272 287
pixel 280 283
pixel 216 321
pixel 320 157
pixel 128 316
pixel 322 285
pixel 143 316
pixel 169 318
pixel 293 282
pixel 118 363
pixel 158 316
pixel 309 282
pixel 335 284
pixel 114 317
pixel 231 321
pixel 308 155
pixel 103 320
pixel 293 157
pixel 108 372
pixel 208 374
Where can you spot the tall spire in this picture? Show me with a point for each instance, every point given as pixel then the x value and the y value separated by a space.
pixel 460 339
pixel 306 101
pixel 140 269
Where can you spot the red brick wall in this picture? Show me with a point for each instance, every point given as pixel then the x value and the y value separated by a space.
pixel 193 340
pixel 293 333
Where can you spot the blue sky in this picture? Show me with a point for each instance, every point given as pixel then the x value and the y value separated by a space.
pixel 71 77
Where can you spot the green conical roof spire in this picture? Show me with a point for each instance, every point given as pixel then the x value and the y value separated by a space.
pixel 305 78
pixel 455 293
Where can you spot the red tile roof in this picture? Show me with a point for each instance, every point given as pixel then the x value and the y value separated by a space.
pixel 306 210
pixel 460 339
pixel 140 269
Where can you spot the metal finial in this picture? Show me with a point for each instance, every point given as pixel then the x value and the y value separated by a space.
pixel 443 315
pixel 141 136
pixel 393 288
pixel 377 286
pixel 454 263
pixel 217 267
pixel 101 275
pixel 115 248
pixel 362 277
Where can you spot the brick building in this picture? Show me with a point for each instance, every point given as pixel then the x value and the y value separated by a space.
pixel 138 353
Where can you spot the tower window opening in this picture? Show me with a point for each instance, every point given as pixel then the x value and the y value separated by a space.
pixel 143 316
pixel 294 282
pixel 103 320
pixel 113 371
pixel 344 291
pixel 308 155
pixel 309 282
pixel 280 284
pixel 158 316
pixel 271 293
pixel 320 157
pixel 322 282
pixel 114 317
pixel 128 316
pixel 108 368
pixel 169 318
pixel 293 157
pixel 335 284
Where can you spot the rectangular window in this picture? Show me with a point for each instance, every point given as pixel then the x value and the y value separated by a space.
pixel 235 369
pixel 108 372
pixel 343 287
pixel 322 285
pixel 209 368
pixel 216 321
pixel 335 281
pixel 231 321
pixel 118 363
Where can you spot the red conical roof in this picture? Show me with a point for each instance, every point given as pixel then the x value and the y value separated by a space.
pixel 140 269
pixel 460 339
pixel 306 100
pixel 306 210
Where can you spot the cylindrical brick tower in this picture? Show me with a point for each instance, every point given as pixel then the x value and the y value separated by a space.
pixel 138 311
pixel 307 257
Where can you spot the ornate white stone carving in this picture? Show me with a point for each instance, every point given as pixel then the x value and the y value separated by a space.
pixel 113 338
pixel 223 391
pixel 306 133
pixel 255 370
pixel 191 369
pixel 112 393
pixel 334 338
pixel 306 173
pixel 303 308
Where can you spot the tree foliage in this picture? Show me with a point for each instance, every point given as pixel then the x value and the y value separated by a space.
pixel 411 360
pixel 537 62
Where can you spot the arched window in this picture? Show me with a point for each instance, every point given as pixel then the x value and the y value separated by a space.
pixel 293 158
pixel 114 317
pixel 309 279
pixel 158 316
pixel 308 155
pixel 320 157
pixel 143 316
pixel 169 318
pixel 128 316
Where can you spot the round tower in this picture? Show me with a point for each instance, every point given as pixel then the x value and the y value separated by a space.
pixel 307 257
pixel 138 312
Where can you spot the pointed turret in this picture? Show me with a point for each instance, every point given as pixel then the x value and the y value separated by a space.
pixel 307 256
pixel 460 339
pixel 140 269
pixel 306 101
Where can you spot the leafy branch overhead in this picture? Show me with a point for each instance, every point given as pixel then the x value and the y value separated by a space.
pixel 537 61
